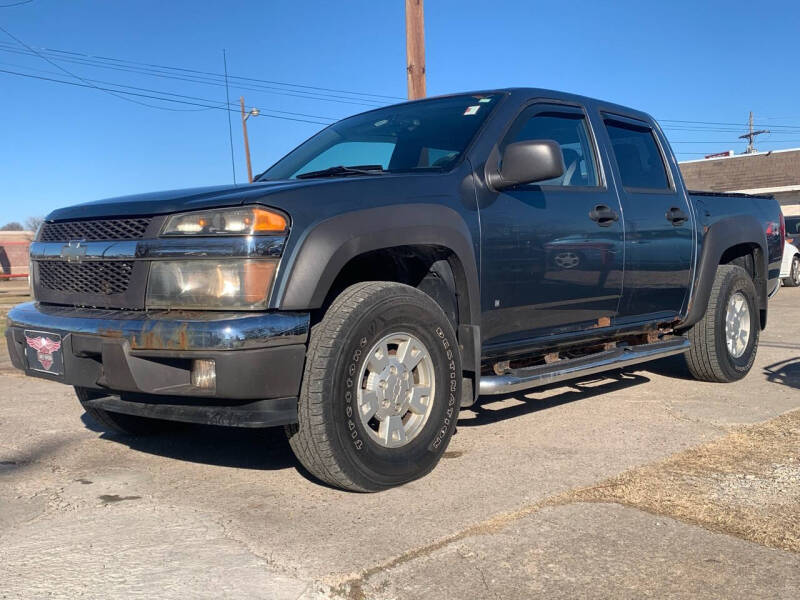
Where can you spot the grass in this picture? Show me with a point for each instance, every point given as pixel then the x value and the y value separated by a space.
pixel 745 484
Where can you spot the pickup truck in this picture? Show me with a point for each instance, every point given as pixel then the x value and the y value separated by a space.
pixel 391 269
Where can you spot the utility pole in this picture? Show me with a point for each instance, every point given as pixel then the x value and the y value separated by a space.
pixel 254 113
pixel 751 136
pixel 415 49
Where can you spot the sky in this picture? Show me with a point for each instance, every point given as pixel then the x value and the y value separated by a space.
pixel 705 62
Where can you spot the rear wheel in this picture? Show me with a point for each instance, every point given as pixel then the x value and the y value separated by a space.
pixel 381 389
pixel 725 340
pixel 793 280
pixel 119 422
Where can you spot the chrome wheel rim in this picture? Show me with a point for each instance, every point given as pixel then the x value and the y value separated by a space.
pixel 796 271
pixel 737 325
pixel 396 390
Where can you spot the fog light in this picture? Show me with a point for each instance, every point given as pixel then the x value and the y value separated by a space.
pixel 204 374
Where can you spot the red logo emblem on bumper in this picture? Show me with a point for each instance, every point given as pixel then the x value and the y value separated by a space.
pixel 44 349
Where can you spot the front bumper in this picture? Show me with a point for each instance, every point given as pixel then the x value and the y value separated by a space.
pixel 144 359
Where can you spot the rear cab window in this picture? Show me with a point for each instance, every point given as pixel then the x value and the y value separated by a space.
pixel 639 158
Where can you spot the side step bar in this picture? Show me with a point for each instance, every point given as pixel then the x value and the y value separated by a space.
pixel 541 375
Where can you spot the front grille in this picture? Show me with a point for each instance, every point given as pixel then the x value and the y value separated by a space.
pixel 95 230
pixel 103 278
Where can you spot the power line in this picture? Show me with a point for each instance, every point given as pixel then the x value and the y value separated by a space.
pixel 99 61
pixel 79 78
pixel 16 4
pixel 143 89
pixel 210 81
pixel 231 76
pixel 154 97
pixel 228 102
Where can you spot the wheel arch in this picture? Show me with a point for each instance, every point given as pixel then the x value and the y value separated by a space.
pixel 734 240
pixel 327 256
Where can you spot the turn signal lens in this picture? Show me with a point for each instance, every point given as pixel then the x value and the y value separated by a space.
pixel 268 222
pixel 249 220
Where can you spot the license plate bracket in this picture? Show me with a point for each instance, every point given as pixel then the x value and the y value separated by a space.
pixel 44 352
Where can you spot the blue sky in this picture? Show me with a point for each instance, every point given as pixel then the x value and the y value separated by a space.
pixel 709 61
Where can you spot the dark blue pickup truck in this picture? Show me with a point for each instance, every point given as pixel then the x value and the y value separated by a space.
pixel 392 268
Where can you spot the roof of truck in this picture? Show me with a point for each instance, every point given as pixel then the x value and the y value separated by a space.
pixel 524 93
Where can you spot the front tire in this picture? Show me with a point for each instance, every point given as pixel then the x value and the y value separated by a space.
pixel 724 342
pixel 793 280
pixel 381 389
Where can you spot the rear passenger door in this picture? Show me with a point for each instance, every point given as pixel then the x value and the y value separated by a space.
pixel 659 228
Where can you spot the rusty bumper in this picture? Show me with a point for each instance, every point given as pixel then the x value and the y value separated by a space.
pixel 257 355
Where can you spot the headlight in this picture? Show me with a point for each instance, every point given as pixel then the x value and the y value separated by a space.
pixel 249 220
pixel 210 284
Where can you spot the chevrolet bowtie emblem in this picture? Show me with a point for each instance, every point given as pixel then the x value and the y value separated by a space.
pixel 73 252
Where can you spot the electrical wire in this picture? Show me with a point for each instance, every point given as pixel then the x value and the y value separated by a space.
pixel 231 76
pixel 143 89
pixel 215 82
pixel 211 78
pixel 151 96
pixel 87 84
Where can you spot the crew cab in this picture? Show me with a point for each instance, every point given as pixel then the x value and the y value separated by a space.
pixel 390 270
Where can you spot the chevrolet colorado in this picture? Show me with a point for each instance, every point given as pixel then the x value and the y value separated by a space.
pixel 392 268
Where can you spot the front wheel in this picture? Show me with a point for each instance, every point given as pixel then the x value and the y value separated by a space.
pixel 793 280
pixel 725 340
pixel 381 389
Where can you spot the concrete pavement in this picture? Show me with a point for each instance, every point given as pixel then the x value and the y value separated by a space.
pixel 212 512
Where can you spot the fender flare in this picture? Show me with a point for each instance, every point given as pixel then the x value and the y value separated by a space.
pixel 318 257
pixel 719 237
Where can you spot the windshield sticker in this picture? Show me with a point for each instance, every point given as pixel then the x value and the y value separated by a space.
pixel 482 100
pixel 471 110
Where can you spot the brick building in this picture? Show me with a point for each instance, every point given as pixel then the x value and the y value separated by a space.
pixel 14 253
pixel 776 173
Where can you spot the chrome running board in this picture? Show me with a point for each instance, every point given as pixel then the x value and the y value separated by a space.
pixel 540 375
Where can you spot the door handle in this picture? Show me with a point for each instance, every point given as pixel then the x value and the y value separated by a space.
pixel 676 216
pixel 603 215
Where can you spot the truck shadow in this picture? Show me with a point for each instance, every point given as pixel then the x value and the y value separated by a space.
pixel 268 449
pixel 785 372
pixel 672 366
pixel 578 389
pixel 237 447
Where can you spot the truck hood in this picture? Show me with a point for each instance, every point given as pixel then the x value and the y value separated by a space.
pixel 155 203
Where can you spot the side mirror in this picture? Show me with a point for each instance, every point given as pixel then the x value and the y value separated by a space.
pixel 528 162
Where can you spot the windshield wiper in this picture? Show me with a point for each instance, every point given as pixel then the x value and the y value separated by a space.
pixel 342 170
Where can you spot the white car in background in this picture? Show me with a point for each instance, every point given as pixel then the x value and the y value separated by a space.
pixel 790 267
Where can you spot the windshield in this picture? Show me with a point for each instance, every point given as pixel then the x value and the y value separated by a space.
pixel 421 136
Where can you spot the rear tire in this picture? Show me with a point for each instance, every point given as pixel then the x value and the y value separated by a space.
pixel 793 280
pixel 370 360
pixel 724 342
pixel 119 422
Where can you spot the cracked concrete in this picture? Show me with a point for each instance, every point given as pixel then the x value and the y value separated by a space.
pixel 213 512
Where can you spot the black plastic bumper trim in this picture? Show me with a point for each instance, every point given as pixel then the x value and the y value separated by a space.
pixel 261 413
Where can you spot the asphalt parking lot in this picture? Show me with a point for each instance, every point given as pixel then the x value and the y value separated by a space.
pixel 638 484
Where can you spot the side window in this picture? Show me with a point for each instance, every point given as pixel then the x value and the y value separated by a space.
pixel 570 131
pixel 638 157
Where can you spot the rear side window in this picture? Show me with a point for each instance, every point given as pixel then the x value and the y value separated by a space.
pixel 569 130
pixel 638 157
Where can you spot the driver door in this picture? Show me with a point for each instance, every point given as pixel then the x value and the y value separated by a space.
pixel 552 252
